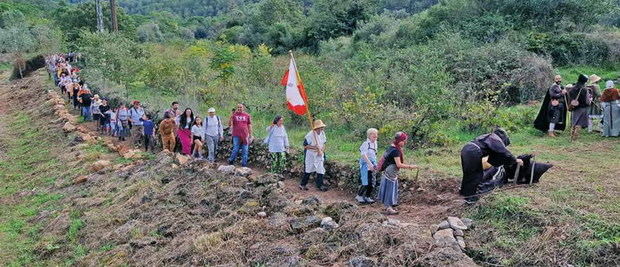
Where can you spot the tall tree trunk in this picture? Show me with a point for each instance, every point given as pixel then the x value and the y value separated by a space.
pixel 113 15
pixel 99 15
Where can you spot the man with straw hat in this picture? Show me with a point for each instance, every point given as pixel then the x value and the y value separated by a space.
pixel 314 155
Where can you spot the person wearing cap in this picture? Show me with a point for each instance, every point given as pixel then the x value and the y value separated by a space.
pixel 594 112
pixel 136 113
pixel 610 102
pixel 579 98
pixel 552 114
pixel 494 145
pixel 393 160
pixel 314 156
pixel 214 133
pixel 241 126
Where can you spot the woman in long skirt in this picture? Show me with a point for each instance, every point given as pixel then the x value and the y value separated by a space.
pixel 185 131
pixel 393 160
pixel 580 102
pixel 610 102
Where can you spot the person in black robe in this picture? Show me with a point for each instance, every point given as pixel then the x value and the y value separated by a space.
pixel 495 177
pixel 552 114
pixel 493 145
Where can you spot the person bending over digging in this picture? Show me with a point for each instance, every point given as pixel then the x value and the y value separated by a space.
pixel 314 156
pixel 392 161
pixel 492 145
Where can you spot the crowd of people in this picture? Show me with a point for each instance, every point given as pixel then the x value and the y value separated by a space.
pixel 185 132
pixel 585 105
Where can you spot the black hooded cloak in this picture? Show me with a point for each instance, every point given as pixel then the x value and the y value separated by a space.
pixel 543 119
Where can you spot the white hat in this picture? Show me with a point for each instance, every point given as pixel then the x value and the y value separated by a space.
pixel 210 110
pixel 609 84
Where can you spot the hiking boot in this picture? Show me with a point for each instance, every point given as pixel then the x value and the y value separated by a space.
pixel 303 187
pixel 369 200
pixel 360 199
pixel 471 200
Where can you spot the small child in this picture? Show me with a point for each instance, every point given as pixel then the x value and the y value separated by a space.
pixel 111 118
pixel 149 130
pixel 197 135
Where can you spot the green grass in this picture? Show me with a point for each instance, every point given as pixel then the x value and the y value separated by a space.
pixel 4 66
pixel 570 73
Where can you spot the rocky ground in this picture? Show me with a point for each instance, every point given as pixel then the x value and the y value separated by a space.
pixel 162 209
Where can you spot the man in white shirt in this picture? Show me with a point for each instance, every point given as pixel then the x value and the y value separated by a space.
pixel 214 133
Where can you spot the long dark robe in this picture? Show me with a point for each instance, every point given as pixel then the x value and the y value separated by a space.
pixel 495 177
pixel 542 120
pixel 492 145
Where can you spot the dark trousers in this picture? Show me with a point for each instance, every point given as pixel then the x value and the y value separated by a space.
pixel 366 190
pixel 471 162
pixel 318 181
pixel 147 142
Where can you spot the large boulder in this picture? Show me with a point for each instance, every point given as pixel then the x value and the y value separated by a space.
pixel 68 127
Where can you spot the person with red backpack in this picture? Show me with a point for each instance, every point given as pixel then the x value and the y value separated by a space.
pixel 392 161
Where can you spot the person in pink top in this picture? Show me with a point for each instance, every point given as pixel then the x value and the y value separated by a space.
pixel 241 127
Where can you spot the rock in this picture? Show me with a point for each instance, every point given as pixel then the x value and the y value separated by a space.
pixel 468 222
pixel 392 222
pixel 461 241
pixel 443 233
pixel 434 228
pixel 443 225
pixel 456 223
pixel 100 165
pixel 338 209
pixel 328 223
pixel 182 159
pixel 361 261
pixel 80 179
pixel 445 238
pixel 311 201
pixel 268 178
pixel 281 184
pixel 458 232
pixel 303 224
pixel 68 127
pixel 262 214
pixel 226 169
pixel 243 171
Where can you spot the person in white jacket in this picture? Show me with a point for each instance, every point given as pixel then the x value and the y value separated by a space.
pixel 214 133
pixel 277 140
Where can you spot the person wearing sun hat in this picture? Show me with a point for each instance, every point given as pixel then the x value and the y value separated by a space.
pixel 594 112
pixel 610 102
pixel 314 155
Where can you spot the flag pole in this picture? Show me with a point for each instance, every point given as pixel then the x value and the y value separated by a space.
pixel 306 96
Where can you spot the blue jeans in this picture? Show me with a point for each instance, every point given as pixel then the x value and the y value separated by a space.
pixel 86 113
pixel 245 151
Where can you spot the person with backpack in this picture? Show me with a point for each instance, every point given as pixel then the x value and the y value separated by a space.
pixel 277 142
pixel 85 102
pixel 368 165
pixel 136 113
pixel 214 133
pixel 166 130
pixel 314 156
pixel 580 100
pixel 392 161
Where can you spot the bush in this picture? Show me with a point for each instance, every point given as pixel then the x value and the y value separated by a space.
pixel 27 67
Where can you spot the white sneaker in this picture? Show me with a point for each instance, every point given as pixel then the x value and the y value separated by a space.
pixel 369 200
pixel 360 199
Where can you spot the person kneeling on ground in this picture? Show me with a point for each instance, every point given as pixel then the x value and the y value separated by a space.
pixel 492 145
pixel 392 161
pixel 314 156
pixel 368 165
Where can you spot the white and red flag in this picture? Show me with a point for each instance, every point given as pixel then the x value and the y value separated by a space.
pixel 296 98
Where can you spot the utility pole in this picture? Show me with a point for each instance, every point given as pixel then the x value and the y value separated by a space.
pixel 99 16
pixel 113 15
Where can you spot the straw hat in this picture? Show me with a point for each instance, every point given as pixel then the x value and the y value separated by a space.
pixel 318 124
pixel 594 78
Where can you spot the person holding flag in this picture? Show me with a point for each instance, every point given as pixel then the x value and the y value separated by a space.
pixel 314 142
